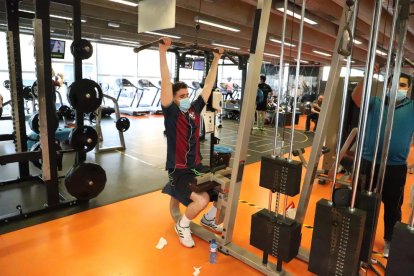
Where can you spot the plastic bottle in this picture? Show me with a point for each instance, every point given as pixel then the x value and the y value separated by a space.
pixel 213 252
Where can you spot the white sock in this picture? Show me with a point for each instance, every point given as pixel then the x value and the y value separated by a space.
pixel 184 221
pixel 211 213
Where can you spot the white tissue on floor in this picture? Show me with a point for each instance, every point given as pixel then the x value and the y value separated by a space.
pixel 196 271
pixel 161 243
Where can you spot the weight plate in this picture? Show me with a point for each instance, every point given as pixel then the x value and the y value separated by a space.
pixel 82 49
pixel 123 124
pixel 85 95
pixel 85 180
pixel 83 138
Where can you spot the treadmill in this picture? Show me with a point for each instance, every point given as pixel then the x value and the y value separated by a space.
pixel 147 85
pixel 137 110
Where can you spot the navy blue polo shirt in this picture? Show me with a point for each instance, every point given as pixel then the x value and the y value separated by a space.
pixel 183 133
pixel 402 131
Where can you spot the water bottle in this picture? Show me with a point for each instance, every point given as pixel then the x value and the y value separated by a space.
pixel 213 252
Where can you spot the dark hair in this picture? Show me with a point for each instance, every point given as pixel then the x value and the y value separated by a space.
pixel 402 75
pixel 177 86
pixel 263 78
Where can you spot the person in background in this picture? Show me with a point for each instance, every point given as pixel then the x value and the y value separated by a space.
pixel 182 125
pixel 402 133
pixel 229 88
pixel 261 106
pixel 314 116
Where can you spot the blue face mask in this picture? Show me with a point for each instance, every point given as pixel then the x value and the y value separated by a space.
pixel 185 104
pixel 401 95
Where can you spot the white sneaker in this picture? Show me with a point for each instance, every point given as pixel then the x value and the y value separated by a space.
pixel 210 224
pixel 184 234
pixel 387 246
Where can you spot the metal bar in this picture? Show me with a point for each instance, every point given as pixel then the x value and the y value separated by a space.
pixel 402 30
pixel 246 120
pixel 344 98
pixel 281 73
pixel 326 109
pixel 7 137
pixel 16 82
pixel 47 109
pixel 19 157
pixel 384 93
pixel 296 82
pixel 77 68
pixel 366 96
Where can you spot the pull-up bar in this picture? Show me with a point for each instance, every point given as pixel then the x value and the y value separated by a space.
pixel 227 54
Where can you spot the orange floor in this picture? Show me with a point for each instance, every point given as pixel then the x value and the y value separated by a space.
pixel 120 239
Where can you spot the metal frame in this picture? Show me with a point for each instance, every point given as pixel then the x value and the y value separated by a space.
pixel 99 147
pixel 47 108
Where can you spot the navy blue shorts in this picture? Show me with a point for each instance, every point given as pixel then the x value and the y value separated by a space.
pixel 178 186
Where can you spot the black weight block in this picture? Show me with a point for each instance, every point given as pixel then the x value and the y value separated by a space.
pixel 81 49
pixel 274 235
pixel 83 138
pixel 370 203
pixel 280 175
pixel 336 240
pixel 85 95
pixel 401 257
pixel 85 180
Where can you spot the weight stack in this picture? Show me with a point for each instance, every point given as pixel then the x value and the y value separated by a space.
pixel 401 258
pixel 369 202
pixel 275 236
pixel 280 175
pixel 336 240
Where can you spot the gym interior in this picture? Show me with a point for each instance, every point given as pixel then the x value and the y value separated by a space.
pixel 84 188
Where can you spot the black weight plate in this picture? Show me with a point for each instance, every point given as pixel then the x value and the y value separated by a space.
pixel 65 111
pixel 85 95
pixel 34 123
pixel 85 180
pixel 27 93
pixel 38 163
pixel 81 49
pixel 122 124
pixel 6 84
pixel 83 138
pixel 34 89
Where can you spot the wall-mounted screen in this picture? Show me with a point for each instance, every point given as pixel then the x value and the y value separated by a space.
pixel 198 64
pixel 57 48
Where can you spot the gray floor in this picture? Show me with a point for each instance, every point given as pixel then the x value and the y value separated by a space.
pixel 137 170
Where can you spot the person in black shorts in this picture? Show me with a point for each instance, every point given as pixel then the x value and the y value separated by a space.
pixel 182 125
pixel 262 106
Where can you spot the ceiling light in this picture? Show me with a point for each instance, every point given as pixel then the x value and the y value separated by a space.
pixel 161 34
pixel 280 42
pixel 128 3
pixel 302 61
pixel 270 55
pixel 297 16
pixel 119 40
pixel 216 25
pixel 113 25
pixel 55 16
pixel 345 59
pixel 321 53
pixel 357 42
pixel 381 53
pixel 225 46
